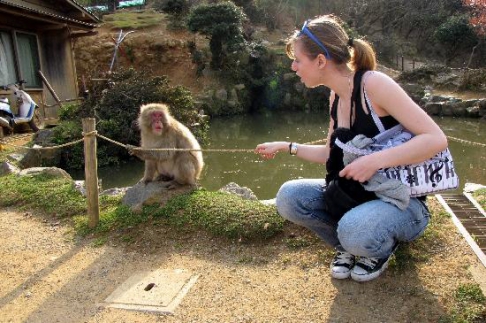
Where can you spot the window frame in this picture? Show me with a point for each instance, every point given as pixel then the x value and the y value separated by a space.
pixel 17 60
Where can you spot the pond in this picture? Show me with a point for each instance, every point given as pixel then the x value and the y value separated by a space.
pixel 264 177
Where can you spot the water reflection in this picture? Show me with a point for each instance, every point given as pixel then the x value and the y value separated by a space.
pixel 265 177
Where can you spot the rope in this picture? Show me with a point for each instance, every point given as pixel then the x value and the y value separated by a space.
pixel 130 147
pixel 463 141
pixel 43 148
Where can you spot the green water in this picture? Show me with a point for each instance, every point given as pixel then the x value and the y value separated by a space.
pixel 264 177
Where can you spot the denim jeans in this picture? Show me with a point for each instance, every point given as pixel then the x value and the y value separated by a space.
pixel 371 229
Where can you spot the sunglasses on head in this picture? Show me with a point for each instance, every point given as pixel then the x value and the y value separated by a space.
pixel 309 34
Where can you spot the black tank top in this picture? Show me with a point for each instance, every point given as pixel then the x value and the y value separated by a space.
pixel 363 122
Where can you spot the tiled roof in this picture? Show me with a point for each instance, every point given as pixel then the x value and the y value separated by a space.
pixel 56 16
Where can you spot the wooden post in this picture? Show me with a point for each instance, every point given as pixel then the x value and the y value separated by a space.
pixel 91 171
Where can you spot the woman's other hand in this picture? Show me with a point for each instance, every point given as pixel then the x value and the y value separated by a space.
pixel 360 169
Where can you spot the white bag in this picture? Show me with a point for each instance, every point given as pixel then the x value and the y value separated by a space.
pixel 433 175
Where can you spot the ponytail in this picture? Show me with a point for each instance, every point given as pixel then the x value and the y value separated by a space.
pixel 363 57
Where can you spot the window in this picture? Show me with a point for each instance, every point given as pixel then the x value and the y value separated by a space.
pixel 29 59
pixel 7 60
pixel 20 62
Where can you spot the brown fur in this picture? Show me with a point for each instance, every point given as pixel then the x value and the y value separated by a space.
pixel 176 167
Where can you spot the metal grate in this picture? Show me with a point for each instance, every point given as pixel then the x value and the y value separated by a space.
pixel 472 219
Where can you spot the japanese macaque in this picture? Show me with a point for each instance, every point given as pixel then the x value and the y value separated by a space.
pixel 160 130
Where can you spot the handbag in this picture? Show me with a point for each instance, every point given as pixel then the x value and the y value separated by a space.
pixel 433 175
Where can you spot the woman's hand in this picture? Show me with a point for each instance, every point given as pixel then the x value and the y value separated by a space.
pixel 360 169
pixel 268 150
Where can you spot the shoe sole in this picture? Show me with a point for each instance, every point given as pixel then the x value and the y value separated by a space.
pixel 340 275
pixel 368 277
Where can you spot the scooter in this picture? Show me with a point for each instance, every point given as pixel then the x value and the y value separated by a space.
pixel 26 106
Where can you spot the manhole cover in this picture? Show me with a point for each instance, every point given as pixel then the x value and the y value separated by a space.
pixel 156 291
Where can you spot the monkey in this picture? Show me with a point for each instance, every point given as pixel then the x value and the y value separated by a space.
pixel 158 129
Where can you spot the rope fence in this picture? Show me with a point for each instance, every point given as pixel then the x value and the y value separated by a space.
pixel 91 164
pixel 131 147
pixel 233 150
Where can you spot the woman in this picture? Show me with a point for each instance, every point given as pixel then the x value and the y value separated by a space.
pixel 366 236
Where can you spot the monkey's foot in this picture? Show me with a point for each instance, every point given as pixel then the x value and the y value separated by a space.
pixel 170 185
pixel 164 178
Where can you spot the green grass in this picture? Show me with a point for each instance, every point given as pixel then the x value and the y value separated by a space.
pixel 218 213
pixel 480 196
pixel 470 305
pixel 133 19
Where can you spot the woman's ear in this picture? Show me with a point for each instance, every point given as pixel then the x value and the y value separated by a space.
pixel 321 61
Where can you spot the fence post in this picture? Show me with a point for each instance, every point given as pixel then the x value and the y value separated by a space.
pixel 91 171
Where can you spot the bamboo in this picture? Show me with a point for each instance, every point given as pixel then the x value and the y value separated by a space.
pixel 91 171
pixel 49 87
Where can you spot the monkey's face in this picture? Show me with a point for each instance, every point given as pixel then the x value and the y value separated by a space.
pixel 157 121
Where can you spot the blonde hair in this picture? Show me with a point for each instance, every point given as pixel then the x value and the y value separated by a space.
pixel 340 47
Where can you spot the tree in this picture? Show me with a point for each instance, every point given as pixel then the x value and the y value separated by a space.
pixel 222 23
pixel 456 33
pixel 477 10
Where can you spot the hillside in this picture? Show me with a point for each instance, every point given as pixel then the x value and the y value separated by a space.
pixel 158 49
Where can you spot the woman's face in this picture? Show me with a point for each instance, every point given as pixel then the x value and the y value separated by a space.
pixel 305 67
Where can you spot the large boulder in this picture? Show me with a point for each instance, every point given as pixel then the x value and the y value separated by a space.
pixel 243 192
pixel 41 157
pixel 51 171
pixel 151 193
pixel 6 168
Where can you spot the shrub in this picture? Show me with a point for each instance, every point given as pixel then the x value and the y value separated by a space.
pixel 115 105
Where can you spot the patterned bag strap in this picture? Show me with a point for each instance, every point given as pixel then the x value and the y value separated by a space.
pixel 346 147
pixel 375 117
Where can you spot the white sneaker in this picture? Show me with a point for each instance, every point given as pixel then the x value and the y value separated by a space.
pixel 367 269
pixel 342 264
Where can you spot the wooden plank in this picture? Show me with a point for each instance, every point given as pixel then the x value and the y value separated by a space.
pixel 480 251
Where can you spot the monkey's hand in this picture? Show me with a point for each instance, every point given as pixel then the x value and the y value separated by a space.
pixel 144 154
pixel 132 150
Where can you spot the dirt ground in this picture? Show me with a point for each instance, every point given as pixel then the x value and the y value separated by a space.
pixel 49 275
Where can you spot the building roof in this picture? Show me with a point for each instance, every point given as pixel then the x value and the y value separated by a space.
pixel 53 11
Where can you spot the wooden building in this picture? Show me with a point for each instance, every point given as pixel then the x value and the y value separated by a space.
pixel 36 45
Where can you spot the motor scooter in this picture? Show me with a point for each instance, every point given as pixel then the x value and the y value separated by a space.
pixel 26 110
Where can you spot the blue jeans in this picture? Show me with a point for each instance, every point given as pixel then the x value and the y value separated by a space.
pixel 371 229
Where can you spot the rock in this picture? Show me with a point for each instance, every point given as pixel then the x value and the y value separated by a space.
pixel 240 87
pixel 52 171
pixel 482 107
pixel 434 108
pixel 151 193
pixel 269 202
pixel 243 192
pixel 115 191
pixel 472 112
pixel 6 168
pixel 221 94
pixel 41 157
